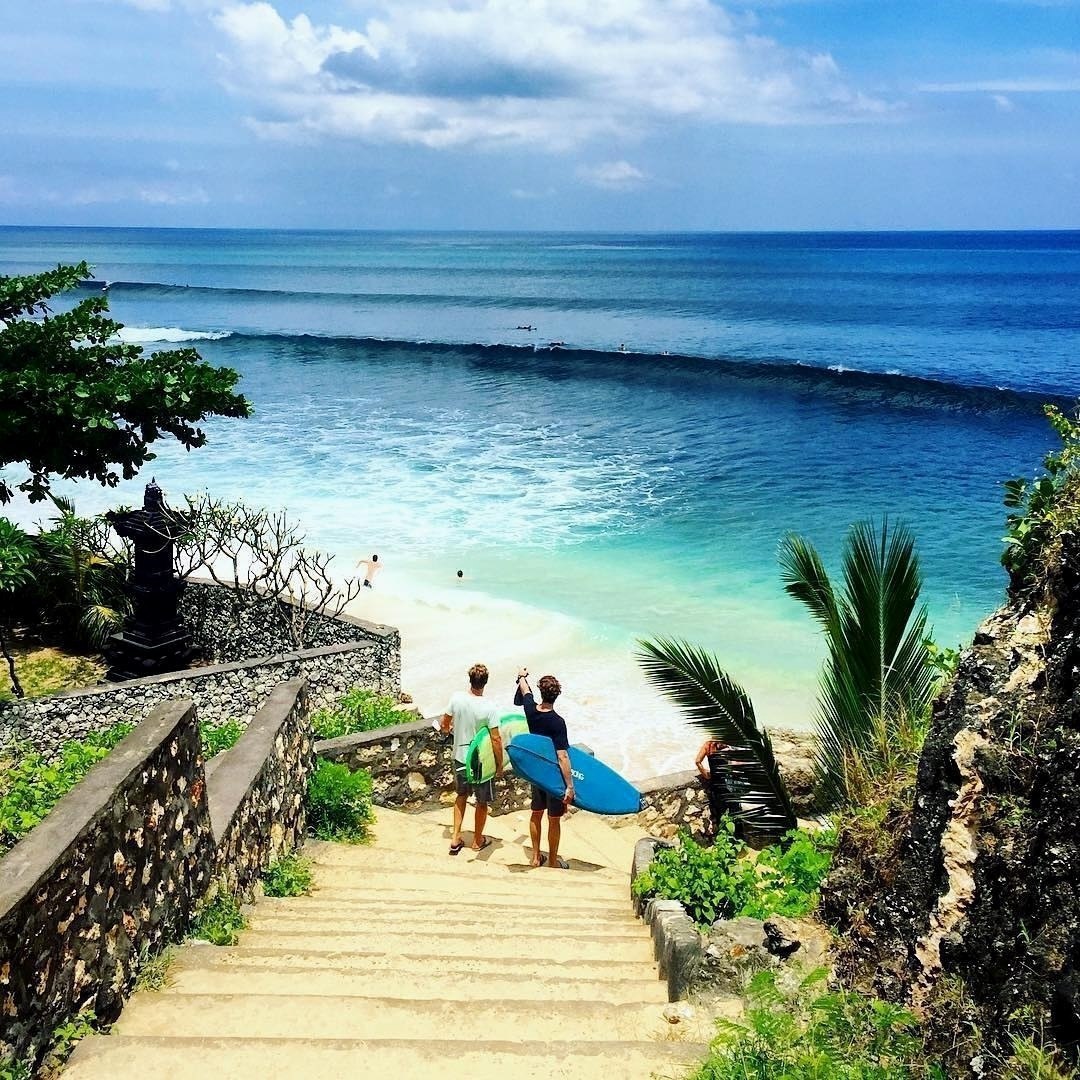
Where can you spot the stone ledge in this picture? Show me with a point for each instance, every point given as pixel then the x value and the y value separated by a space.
pixel 27 864
pixel 230 776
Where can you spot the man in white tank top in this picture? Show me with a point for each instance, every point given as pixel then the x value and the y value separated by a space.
pixel 466 714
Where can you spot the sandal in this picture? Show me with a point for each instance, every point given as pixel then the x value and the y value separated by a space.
pixel 455 849
pixel 486 843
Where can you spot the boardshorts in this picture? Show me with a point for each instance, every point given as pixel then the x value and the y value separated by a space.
pixel 543 800
pixel 483 793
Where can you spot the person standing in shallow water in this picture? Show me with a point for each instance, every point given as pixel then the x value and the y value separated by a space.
pixel 371 568
pixel 544 720
pixel 466 714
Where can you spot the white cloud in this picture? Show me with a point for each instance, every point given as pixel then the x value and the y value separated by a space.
pixel 1006 86
pixel 550 72
pixel 613 176
pixel 1003 103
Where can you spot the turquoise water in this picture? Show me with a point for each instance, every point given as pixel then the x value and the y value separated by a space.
pixel 713 392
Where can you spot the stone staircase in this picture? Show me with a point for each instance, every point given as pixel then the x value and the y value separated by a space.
pixel 406 962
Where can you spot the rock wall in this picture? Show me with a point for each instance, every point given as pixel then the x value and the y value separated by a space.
pixel 114 869
pixel 230 624
pixel 411 769
pixel 220 692
pixel 978 917
pixel 117 868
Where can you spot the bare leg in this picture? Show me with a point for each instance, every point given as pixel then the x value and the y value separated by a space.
pixel 536 819
pixel 554 835
pixel 459 816
pixel 478 828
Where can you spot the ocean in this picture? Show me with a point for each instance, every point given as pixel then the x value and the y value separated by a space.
pixel 609 434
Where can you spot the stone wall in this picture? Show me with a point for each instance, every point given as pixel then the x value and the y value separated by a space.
pixel 114 869
pixel 231 624
pixel 412 770
pixel 118 867
pixel 221 692
pixel 256 790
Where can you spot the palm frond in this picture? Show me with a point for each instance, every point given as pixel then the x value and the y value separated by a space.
pixel 712 700
pixel 805 579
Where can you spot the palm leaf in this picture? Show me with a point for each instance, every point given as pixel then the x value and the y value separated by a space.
pixel 712 700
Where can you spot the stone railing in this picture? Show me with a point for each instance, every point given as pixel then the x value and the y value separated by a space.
pixel 411 769
pixel 119 865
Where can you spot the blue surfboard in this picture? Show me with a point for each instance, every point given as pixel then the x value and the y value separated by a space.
pixel 597 787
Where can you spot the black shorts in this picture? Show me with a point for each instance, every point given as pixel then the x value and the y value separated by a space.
pixel 484 793
pixel 542 800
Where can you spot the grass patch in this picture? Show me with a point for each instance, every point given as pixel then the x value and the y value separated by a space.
pixel 811 1033
pixel 48 671
pixel 288 876
pixel 358 710
pixel 723 881
pixel 216 738
pixel 339 803
pixel 154 972
pixel 30 786
pixel 220 921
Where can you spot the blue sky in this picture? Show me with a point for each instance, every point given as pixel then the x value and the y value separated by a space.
pixel 538 114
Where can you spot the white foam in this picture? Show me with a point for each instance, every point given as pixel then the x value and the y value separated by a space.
pixel 137 335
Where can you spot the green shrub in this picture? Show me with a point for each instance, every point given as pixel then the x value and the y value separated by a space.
pixel 720 882
pixel 339 803
pixel 288 876
pixel 220 921
pixel 10 1069
pixel 30 786
pixel 813 1034
pixel 358 710
pixel 218 737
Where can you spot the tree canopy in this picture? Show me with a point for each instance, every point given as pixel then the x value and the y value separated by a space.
pixel 77 402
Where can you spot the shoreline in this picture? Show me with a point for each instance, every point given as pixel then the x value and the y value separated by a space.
pixel 607 701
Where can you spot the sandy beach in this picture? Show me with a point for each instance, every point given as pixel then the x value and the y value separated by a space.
pixel 606 700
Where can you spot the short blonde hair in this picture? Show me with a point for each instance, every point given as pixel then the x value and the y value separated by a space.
pixel 478 676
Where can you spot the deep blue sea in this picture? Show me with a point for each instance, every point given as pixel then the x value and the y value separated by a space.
pixel 609 434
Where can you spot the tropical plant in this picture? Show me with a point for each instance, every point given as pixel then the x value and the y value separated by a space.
pixel 16 554
pixel 1042 507
pixel 288 876
pixel 712 700
pixel 878 676
pixel 82 573
pixel 812 1033
pixel 339 803
pixel 358 710
pixel 76 401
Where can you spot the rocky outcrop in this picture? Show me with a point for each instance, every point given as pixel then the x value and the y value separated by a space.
pixel 976 911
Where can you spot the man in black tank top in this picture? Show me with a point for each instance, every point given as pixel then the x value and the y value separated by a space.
pixel 544 720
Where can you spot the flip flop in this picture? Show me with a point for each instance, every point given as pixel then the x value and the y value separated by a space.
pixel 486 843
pixel 455 849
pixel 562 864
pixel 543 860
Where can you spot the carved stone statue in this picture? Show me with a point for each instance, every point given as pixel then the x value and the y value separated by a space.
pixel 154 638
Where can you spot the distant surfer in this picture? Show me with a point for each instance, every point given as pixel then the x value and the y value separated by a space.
pixel 524 327
pixel 544 720
pixel 371 568
pixel 466 714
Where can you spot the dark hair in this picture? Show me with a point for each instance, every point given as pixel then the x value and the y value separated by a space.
pixel 461 573
pixel 478 676
pixel 374 558
pixel 549 689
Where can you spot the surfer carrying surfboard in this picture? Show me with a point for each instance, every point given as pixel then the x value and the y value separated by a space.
pixel 465 715
pixel 544 720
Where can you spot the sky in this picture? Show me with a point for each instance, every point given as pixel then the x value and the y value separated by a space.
pixel 541 114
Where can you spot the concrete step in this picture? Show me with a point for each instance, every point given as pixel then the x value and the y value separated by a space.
pixel 506 946
pixel 135 1058
pixel 320 1016
pixel 419 984
pixel 382 966
pixel 353 907
pixel 385 895
pixel 540 882
pixel 533 929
